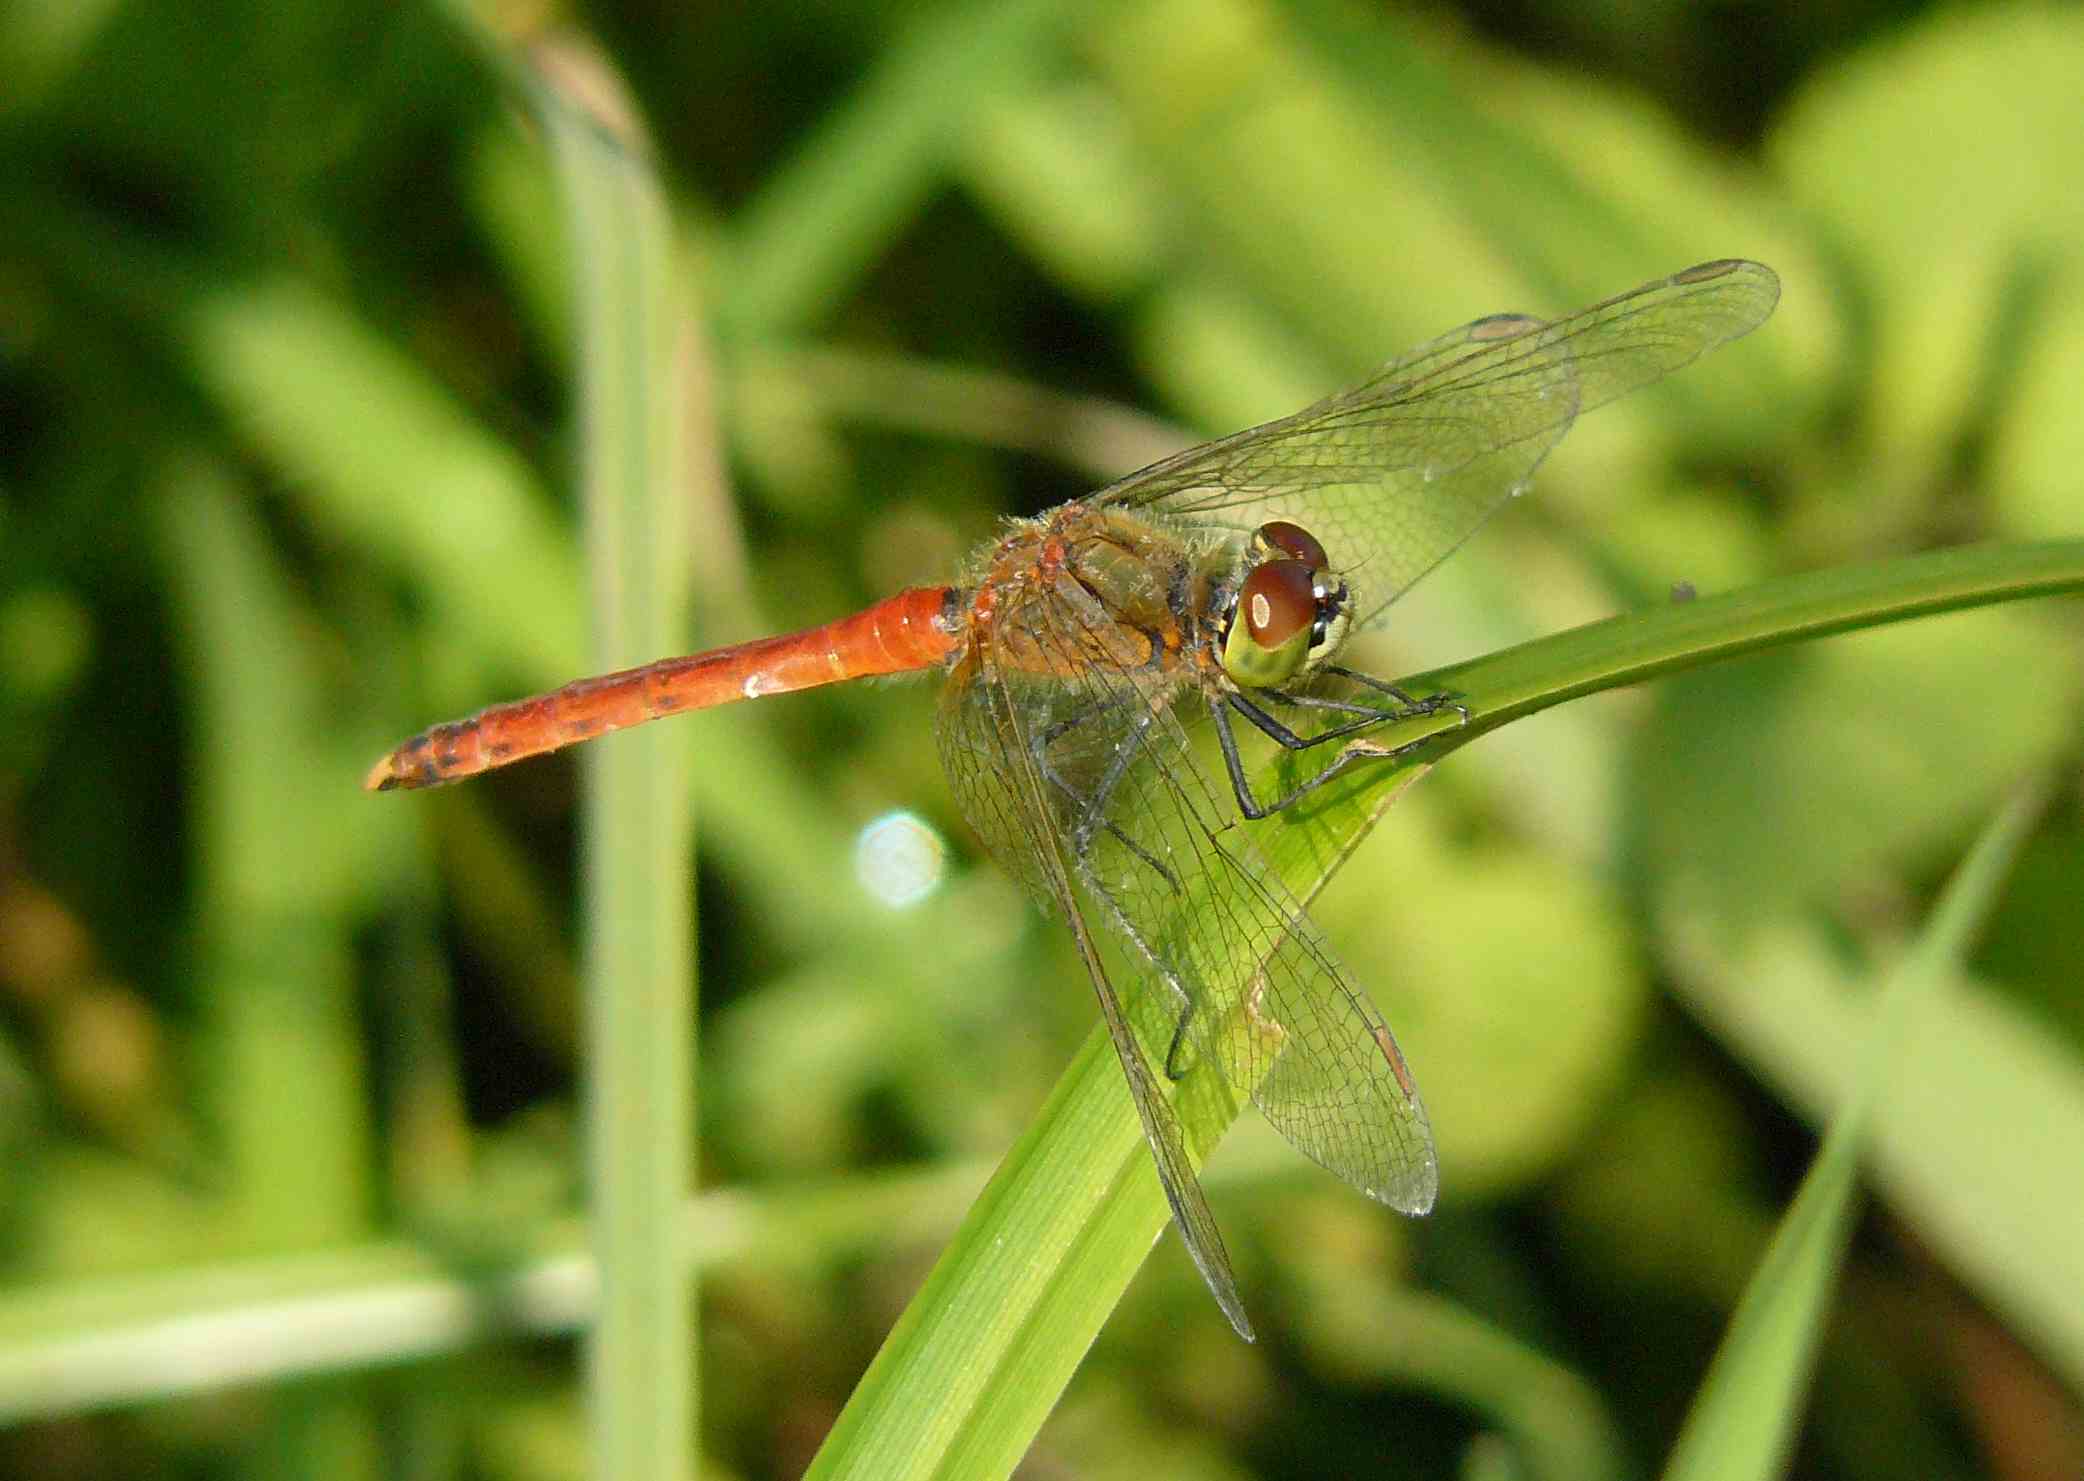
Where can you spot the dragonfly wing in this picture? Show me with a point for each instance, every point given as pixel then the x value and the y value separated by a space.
pixel 1235 974
pixel 1395 473
pixel 1262 993
pixel 1168 1144
pixel 995 730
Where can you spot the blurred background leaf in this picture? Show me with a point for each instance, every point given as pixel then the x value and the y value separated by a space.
pixel 286 472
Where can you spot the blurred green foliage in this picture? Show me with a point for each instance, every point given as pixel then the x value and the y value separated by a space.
pixel 285 473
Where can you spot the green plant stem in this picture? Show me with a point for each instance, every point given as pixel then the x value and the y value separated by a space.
pixel 1743 1421
pixel 978 1362
pixel 92 1344
pixel 638 828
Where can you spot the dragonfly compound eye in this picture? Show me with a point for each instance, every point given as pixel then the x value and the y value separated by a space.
pixel 1278 538
pixel 1272 625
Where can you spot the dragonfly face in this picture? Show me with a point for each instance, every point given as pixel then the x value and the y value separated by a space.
pixel 1287 613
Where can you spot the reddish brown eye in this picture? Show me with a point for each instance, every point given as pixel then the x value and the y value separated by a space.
pixel 1278 601
pixel 1295 542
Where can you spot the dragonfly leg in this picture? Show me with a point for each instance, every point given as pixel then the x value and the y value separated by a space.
pixel 1409 708
pixel 1263 721
pixel 1189 1000
pixel 1414 708
pixel 1083 715
pixel 1091 806
pixel 1174 1070
pixel 1092 824
pixel 1093 814
pixel 1248 804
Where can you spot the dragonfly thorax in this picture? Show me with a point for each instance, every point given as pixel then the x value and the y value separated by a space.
pixel 1286 612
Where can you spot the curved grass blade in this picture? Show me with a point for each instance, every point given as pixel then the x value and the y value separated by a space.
pixel 979 1359
pixel 1744 1420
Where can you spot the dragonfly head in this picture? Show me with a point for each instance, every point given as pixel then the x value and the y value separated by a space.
pixel 1289 612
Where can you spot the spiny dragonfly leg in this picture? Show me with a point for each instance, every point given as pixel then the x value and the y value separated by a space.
pixel 1084 714
pixel 1248 804
pixel 1414 708
pixel 1410 707
pixel 1094 824
pixel 1174 1070
pixel 1092 806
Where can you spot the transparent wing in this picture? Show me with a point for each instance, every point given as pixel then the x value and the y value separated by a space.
pixel 992 742
pixel 1235 974
pixel 1397 472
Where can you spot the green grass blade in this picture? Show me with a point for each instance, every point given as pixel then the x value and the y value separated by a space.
pixel 981 1354
pixel 977 1362
pixel 72 1347
pixel 1643 645
pixel 1989 1098
pixel 637 829
pixel 1744 1420
pixel 1308 842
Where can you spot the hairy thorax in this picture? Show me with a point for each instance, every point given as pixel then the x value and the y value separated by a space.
pixel 1082 587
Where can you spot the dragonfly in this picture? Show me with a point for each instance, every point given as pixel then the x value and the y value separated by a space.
pixel 1084 649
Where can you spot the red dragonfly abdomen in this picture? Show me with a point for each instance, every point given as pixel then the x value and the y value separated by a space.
pixel 913 630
